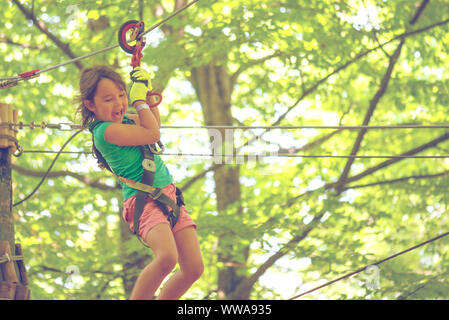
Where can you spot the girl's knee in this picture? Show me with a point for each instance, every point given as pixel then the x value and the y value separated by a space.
pixel 166 261
pixel 195 271
pixel 196 274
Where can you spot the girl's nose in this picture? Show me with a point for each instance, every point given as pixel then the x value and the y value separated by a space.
pixel 116 102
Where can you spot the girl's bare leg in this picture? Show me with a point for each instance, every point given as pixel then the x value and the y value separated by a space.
pixel 190 262
pixel 161 241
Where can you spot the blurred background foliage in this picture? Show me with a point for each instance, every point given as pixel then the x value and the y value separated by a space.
pixel 297 222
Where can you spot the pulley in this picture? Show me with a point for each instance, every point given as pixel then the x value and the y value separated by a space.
pixel 136 29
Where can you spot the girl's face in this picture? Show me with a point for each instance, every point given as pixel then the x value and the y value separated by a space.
pixel 110 102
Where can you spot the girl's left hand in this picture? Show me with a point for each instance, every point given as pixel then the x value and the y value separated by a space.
pixel 138 92
pixel 140 75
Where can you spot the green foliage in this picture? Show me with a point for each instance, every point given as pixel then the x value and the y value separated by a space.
pixel 303 55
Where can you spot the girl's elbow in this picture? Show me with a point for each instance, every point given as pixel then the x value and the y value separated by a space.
pixel 154 137
pixel 157 136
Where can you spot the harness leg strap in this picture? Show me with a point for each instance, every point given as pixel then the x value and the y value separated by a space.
pixel 172 215
pixel 141 199
pixel 163 201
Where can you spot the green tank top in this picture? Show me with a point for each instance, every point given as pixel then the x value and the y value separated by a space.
pixel 126 161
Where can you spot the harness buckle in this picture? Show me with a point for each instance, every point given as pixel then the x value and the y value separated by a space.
pixel 157 194
pixel 149 165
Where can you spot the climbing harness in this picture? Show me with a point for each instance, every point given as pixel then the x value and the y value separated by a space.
pixel 145 186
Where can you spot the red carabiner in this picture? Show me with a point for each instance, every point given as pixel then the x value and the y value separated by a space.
pixel 137 29
pixel 151 94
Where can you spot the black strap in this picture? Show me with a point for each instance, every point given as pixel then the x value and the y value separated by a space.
pixel 141 197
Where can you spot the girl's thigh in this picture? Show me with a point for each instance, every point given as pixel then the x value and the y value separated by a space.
pixel 160 239
pixel 189 252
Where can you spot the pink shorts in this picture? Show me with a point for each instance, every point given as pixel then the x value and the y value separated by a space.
pixel 152 215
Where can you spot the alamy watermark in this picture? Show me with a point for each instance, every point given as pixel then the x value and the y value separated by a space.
pixel 224 150
pixel 372 277
pixel 74 279
pixel 228 147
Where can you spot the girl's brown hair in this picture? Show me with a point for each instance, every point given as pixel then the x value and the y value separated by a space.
pixel 89 79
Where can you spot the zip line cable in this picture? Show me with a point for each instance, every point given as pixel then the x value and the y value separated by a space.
pixel 272 155
pixel 72 126
pixel 374 264
pixel 11 81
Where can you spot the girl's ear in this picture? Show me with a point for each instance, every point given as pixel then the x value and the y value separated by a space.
pixel 89 105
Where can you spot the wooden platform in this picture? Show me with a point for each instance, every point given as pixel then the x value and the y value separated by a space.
pixel 14 278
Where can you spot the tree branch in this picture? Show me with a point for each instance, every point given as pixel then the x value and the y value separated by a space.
pixel 375 101
pixel 417 177
pixel 247 284
pixel 389 162
pixel 441 276
pixel 355 59
pixel 418 13
pixel 56 174
pixel 25 45
pixel 369 171
pixel 52 269
pixel 310 145
pixel 253 63
pixel 318 83
pixel 42 28
pixel 372 106
pixel 289 202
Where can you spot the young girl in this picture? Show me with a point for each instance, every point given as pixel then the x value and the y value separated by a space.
pixel 103 97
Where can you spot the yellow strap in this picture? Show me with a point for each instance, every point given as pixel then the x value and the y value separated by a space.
pixel 135 184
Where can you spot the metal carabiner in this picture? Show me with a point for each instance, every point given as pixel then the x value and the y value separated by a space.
pixel 153 148
pixel 18 152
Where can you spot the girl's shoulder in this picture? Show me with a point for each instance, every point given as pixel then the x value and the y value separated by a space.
pixel 98 134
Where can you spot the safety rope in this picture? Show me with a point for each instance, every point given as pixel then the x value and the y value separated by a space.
pixel 12 81
pixel 48 170
pixel 374 264
pixel 43 125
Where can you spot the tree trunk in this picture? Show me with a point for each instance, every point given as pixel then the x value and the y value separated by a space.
pixel 6 218
pixel 212 84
